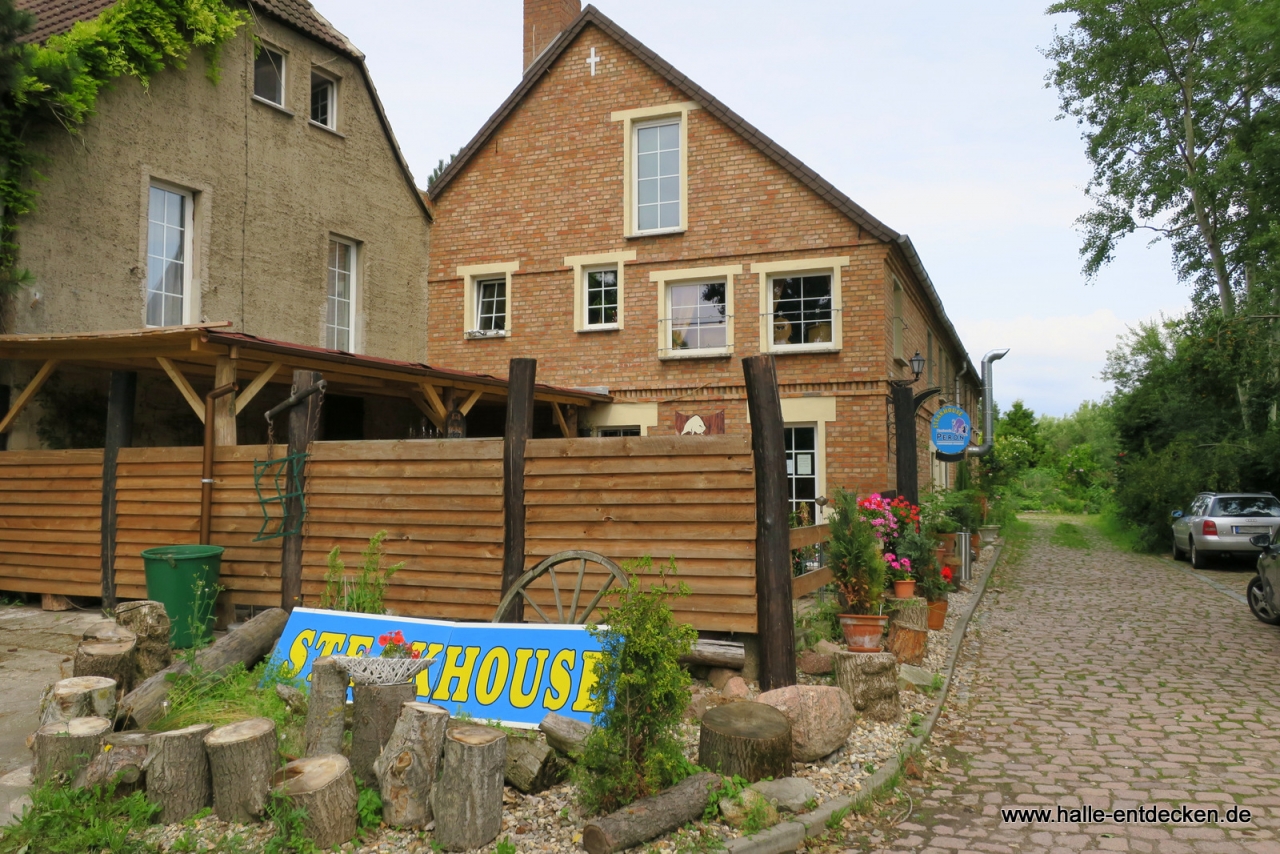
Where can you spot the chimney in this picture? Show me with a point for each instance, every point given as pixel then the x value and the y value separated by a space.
pixel 543 21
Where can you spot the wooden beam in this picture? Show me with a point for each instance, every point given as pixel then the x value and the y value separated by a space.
pixel 470 402
pixel 224 408
pixel 15 409
pixel 433 397
pixel 120 405
pixel 455 423
pixel 258 384
pixel 197 405
pixel 521 376
pixel 419 401
pixel 564 428
pixel 304 418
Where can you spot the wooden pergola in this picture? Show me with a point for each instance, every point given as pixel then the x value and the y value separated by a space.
pixel 208 351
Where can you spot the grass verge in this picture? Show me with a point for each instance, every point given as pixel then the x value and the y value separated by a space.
pixel 62 820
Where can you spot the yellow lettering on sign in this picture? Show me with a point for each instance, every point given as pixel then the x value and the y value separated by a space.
pixel 561 679
pixel 299 648
pixel 358 643
pixel 519 698
pixel 494 670
pixel 423 680
pixel 584 701
pixel 455 671
pixel 329 641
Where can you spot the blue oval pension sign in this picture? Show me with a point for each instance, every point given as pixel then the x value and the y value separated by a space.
pixel 950 429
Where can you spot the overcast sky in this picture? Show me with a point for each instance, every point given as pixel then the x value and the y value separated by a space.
pixel 932 116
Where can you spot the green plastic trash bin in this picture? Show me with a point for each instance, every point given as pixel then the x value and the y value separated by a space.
pixel 183 579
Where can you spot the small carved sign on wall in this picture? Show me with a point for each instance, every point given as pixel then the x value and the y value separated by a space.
pixel 701 424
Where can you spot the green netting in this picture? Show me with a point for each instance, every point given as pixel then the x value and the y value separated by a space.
pixel 279 474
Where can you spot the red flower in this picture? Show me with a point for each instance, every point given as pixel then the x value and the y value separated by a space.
pixel 383 639
pixel 946 574
pixel 416 653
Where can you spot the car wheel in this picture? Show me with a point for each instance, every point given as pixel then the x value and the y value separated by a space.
pixel 1178 554
pixel 1198 559
pixel 1258 603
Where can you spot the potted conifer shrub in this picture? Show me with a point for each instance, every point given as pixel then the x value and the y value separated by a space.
pixel 859 571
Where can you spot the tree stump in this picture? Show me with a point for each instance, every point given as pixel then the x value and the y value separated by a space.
pixel 908 646
pixel 566 735
pixel 651 817
pixel 242 759
pixel 78 697
pixel 532 765
pixel 62 748
pixel 750 740
pixel 871 681
pixel 178 773
pixel 110 658
pixel 912 613
pixel 322 786
pixel 467 799
pixel 326 708
pixel 376 709
pixel 150 623
pixel 409 764
pixel 120 761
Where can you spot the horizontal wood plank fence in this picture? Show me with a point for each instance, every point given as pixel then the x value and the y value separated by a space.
pixel 440 502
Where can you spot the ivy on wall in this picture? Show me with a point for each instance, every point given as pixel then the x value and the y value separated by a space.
pixel 55 85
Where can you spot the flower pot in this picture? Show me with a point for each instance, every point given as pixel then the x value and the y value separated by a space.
pixel 989 533
pixel 863 632
pixel 940 554
pixel 904 589
pixel 937 615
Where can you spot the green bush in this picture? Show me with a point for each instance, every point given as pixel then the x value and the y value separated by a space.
pixel 364 594
pixel 854 555
pixel 642 691
pixel 63 820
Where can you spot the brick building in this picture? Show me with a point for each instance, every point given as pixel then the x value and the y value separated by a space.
pixel 620 224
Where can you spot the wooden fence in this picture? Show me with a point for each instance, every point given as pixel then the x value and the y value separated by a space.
pixel 50 519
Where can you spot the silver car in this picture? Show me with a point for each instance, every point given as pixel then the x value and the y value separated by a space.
pixel 1222 523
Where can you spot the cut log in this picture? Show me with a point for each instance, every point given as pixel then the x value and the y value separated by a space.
pixel 107 630
pixel 322 786
pixel 748 740
pixel 246 645
pixel 120 761
pixel 326 708
pixel 178 773
pixel 112 659
pixel 242 760
pixel 714 653
pixel 467 799
pixel 532 765
pixel 375 709
pixel 652 817
pixel 409 764
pixel 78 697
pixel 908 646
pixel 55 602
pixel 149 621
pixel 912 613
pixel 566 735
pixel 871 681
pixel 62 748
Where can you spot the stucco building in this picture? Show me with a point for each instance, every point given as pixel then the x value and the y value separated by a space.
pixel 276 199
pixel 630 231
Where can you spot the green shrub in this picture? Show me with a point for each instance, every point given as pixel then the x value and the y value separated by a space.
pixel 364 594
pixel 63 820
pixel 642 692
pixel 821 622
pixel 854 555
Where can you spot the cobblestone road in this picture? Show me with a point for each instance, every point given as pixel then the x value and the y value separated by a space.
pixel 1097 677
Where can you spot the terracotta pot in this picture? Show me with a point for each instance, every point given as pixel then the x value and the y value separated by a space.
pixel 937 615
pixel 904 589
pixel 941 554
pixel 863 632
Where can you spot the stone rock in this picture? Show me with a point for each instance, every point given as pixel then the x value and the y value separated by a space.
pixel 294 700
pixel 735 813
pixel 790 794
pixel 735 689
pixel 697 707
pixel 717 676
pixel 814 663
pixel 826 647
pixel 912 678
pixel 821 718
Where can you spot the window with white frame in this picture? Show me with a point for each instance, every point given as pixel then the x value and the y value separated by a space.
pixel 802 471
pixel 340 299
pixel 657 171
pixel 600 295
pixel 616 432
pixel 697 316
pixel 801 309
pixel 268 75
pixel 324 100
pixel 899 323
pixel 169 227
pixel 491 305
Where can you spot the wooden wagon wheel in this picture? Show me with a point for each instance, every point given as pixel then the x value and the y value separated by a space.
pixel 548 567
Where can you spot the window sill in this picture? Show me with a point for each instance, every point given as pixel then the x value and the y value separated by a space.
pixel 657 232
pixel 316 124
pixel 900 362
pixel 478 335
pixel 783 349
pixel 604 327
pixel 273 105
pixel 676 356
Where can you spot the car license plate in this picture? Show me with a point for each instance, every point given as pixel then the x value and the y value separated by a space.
pixel 1252 529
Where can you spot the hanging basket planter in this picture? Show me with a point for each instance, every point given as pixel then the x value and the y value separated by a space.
pixel 383 671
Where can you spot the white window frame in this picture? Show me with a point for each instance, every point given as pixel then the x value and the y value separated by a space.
pixel 190 311
pixel 899 323
pixel 809 412
pixel 583 264
pixel 333 99
pixel 648 116
pixel 665 279
pixel 473 274
pixel 769 270
pixel 284 76
pixel 353 343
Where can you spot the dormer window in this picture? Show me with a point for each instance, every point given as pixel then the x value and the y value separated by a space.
pixel 324 101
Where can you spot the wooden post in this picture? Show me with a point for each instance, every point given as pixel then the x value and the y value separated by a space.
pixel 304 419
pixel 571 419
pixel 520 379
pixel 775 623
pixel 455 422
pixel 120 400
pixel 4 410
pixel 224 410
pixel 904 425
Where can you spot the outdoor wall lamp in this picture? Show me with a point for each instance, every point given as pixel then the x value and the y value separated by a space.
pixel 917 364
